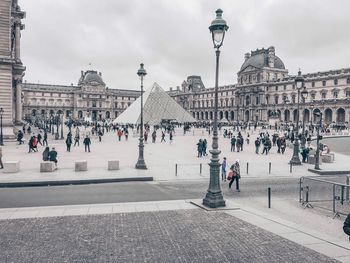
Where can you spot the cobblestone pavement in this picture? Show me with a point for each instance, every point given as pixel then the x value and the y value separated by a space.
pixel 167 236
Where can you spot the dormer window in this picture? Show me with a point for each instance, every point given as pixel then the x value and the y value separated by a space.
pixel 324 83
pixel 335 94
pixel 335 82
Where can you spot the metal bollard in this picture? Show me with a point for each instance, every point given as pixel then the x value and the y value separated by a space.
pixel 342 195
pixel 307 194
pixel 176 169
pixel 200 169
pixel 247 167
pixel 269 196
pixel 269 167
pixel 291 168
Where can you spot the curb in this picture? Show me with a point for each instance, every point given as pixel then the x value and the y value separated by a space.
pixel 75 182
pixel 328 172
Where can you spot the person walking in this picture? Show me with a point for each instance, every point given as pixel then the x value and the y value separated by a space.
pixel 76 139
pixel 126 134
pixel 346 226
pixel 283 145
pixel 100 134
pixel 200 148
pixel 145 136
pixel 223 170
pixel 1 164
pixel 236 171
pixel 87 143
pixel 163 137
pixel 30 144
pixel 69 143
pixel 119 133
pixel 45 139
pixel 154 136
pixel 233 143
pixel 46 154
pixel 171 137
pixel 39 139
pixel 20 137
pixel 257 145
pixel 204 150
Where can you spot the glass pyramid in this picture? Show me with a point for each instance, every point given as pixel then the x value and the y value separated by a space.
pixel 158 106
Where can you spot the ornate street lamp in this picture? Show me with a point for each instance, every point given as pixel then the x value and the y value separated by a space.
pixel 304 95
pixel 62 137
pixel 57 124
pixel 317 161
pixel 141 161
pixel 1 134
pixel 299 83
pixel 214 197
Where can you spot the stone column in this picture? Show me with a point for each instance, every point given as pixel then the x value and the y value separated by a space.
pixel 19 109
pixel 17 40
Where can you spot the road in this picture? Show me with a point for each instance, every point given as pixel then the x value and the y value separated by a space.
pixel 139 191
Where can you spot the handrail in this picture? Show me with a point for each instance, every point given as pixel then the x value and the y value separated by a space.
pixel 324 181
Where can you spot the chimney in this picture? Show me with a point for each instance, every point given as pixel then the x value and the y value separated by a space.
pixel 246 56
pixel 171 89
pixel 100 74
pixel 82 73
pixel 177 87
pixel 271 58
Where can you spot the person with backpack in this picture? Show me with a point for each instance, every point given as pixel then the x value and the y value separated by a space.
pixel 236 175
pixel 69 143
pixel 45 138
pixel 53 156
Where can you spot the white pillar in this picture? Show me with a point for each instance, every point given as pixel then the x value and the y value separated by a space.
pixel 17 40
pixel 19 109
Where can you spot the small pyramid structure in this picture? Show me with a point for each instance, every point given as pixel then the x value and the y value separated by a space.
pixel 157 106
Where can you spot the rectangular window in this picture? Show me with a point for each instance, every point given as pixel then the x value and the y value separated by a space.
pixel 335 94
pixel 347 93
pixel 313 96
pixel 276 88
pixel 324 83
pixel 335 82
pixel 284 87
pixel 293 98
pixel 313 84
pixel 323 95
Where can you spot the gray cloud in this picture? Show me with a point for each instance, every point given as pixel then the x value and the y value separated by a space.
pixel 172 38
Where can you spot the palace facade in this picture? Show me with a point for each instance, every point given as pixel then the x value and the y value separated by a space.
pixel 89 100
pixel 265 89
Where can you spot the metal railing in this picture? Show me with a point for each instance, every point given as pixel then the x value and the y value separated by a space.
pixel 331 195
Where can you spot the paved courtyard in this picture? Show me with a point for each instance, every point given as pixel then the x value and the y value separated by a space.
pixel 164 236
pixel 161 159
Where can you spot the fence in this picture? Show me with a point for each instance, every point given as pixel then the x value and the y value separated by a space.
pixel 331 194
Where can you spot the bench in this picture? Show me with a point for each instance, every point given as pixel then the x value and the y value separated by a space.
pixel 113 165
pixel 47 167
pixel 328 157
pixel 312 159
pixel 81 166
pixel 11 167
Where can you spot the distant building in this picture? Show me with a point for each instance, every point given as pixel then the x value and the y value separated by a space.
pixel 264 86
pixel 89 100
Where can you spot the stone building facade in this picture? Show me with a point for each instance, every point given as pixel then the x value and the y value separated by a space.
pixel 11 67
pixel 89 100
pixel 264 87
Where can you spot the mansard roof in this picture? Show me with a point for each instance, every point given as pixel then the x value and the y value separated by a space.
pixel 259 59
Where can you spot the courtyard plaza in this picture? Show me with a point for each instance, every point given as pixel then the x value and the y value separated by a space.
pixel 165 161
pixel 285 233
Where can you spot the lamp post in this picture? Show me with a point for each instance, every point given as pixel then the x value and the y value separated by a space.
pixel 141 161
pixel 57 124
pixel 214 197
pixel 62 137
pixel 1 134
pixel 299 83
pixel 317 161
pixel 304 95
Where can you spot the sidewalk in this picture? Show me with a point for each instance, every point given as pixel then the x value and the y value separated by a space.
pixel 165 231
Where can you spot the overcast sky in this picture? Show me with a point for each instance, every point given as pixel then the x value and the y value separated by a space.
pixel 172 39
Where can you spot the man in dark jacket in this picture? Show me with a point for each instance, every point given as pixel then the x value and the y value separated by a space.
pixel 87 143
pixel 346 226
pixel 53 155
